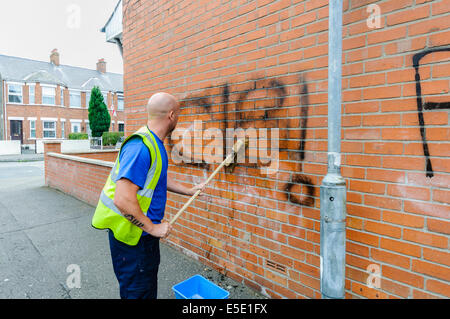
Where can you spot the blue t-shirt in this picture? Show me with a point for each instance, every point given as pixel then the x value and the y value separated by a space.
pixel 135 162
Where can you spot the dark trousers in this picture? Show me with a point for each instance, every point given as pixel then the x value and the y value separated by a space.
pixel 136 267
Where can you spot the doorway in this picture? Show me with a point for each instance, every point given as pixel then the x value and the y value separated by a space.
pixel 16 130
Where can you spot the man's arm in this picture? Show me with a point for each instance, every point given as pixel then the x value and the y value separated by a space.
pixel 126 201
pixel 175 187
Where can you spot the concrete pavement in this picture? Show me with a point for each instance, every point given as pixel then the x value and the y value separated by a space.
pixel 47 244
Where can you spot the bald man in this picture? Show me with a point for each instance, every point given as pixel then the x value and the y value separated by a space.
pixel 136 267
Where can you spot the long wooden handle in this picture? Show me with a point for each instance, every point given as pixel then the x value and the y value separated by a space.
pixel 186 205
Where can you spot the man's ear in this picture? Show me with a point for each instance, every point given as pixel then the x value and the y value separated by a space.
pixel 171 115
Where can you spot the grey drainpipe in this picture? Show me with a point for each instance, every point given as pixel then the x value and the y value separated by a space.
pixel 2 114
pixel 333 190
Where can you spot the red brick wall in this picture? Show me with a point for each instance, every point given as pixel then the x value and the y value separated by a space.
pixel 109 156
pixel 263 64
pixel 76 178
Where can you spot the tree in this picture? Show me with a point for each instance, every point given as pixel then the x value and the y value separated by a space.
pixel 99 118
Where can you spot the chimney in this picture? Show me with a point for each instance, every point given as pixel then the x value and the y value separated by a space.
pixel 101 66
pixel 54 57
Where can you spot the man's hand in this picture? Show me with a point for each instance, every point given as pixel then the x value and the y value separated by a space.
pixel 175 187
pixel 197 187
pixel 160 230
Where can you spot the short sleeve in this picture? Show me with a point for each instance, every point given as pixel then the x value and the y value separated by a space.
pixel 134 162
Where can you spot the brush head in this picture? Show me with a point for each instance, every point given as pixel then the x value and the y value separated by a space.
pixel 238 145
pixel 236 148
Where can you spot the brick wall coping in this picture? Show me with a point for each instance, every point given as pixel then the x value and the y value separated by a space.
pixel 82 159
pixel 92 151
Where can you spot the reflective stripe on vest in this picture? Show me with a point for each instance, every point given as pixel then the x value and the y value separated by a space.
pixel 107 215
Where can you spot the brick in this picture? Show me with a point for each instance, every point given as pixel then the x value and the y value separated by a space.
pixel 385 175
pixel 425 238
pixel 438 287
pixel 409 15
pixel 402 276
pixel 403 219
pixel 363 238
pixel 367 187
pixel 427 209
pixel 390 258
pixel 382 202
pixel 437 256
pixel 408 192
pixel 382 229
pixel 430 269
pixel 400 247
pixel 439 226
pixel 442 196
pixel 428 26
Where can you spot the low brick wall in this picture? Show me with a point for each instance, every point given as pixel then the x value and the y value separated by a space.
pixel 105 155
pixel 80 175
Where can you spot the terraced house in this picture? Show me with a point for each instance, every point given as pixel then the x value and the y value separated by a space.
pixel 47 100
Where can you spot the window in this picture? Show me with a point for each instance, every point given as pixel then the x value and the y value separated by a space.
pixel 75 99
pixel 32 129
pixel 48 95
pixel 120 102
pixel 31 94
pixel 14 93
pixel 88 98
pixel 76 127
pixel 121 127
pixel 88 129
pixel 49 129
pixel 62 97
pixel 63 129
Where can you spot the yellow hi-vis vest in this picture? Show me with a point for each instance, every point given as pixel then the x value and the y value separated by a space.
pixel 107 215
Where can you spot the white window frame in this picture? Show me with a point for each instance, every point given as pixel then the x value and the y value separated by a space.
pixel 63 128
pixel 32 119
pixel 52 89
pixel 120 98
pixel 74 123
pixel 87 125
pixel 32 85
pixel 15 94
pixel 61 97
pixel 48 120
pixel 88 97
pixel 78 92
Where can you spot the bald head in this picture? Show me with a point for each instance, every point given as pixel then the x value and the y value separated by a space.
pixel 160 104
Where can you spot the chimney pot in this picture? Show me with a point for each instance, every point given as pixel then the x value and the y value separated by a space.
pixel 101 66
pixel 54 57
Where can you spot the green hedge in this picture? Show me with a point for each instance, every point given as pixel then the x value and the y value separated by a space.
pixel 111 138
pixel 78 136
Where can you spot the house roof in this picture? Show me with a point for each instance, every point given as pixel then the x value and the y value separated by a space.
pixel 27 70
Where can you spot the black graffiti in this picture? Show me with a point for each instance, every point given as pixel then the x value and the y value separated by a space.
pixel 427 106
pixel 235 116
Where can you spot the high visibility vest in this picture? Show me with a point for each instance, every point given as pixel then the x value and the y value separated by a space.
pixel 107 215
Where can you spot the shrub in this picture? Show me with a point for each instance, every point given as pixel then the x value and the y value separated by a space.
pixel 78 136
pixel 99 118
pixel 111 138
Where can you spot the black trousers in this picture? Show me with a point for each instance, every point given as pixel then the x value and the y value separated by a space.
pixel 136 267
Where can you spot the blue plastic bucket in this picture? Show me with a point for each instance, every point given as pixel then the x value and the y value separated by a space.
pixel 198 287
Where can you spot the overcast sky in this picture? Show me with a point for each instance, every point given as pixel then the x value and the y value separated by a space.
pixel 32 28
